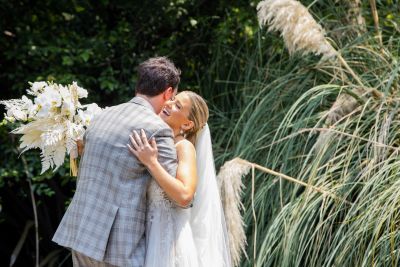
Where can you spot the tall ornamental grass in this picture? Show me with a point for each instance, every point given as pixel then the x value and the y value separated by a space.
pixel 286 113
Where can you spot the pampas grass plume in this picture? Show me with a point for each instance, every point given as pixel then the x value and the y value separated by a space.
pixel 231 186
pixel 300 32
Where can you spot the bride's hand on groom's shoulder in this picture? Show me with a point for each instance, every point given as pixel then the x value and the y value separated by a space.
pixel 144 150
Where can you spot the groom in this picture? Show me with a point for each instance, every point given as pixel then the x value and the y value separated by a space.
pixel 105 223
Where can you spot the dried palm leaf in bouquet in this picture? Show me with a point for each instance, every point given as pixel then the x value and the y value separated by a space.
pixel 53 121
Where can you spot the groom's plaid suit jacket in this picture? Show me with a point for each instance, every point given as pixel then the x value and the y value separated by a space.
pixel 106 218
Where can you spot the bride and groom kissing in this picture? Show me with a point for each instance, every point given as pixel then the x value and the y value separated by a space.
pixel 146 192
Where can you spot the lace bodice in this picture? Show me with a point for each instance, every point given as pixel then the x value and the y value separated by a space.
pixel 157 197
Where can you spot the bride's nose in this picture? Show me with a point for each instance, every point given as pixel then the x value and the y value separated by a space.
pixel 168 103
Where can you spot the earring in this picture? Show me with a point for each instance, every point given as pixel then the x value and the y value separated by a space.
pixel 182 133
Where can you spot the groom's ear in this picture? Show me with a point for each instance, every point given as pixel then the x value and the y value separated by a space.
pixel 168 93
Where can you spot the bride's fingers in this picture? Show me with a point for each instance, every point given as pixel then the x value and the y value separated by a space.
pixel 153 143
pixel 133 151
pixel 137 139
pixel 133 141
pixel 144 137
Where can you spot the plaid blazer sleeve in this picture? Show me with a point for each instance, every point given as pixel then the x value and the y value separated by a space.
pixel 166 150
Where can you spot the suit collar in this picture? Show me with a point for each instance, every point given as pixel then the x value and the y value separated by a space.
pixel 142 102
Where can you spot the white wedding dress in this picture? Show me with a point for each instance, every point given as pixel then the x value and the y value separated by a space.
pixel 169 238
pixel 192 237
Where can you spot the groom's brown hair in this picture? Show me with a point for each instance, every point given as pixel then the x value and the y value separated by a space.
pixel 155 75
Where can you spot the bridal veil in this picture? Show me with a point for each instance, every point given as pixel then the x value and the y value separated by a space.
pixel 207 216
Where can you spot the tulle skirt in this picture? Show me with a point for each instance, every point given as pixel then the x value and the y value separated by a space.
pixel 169 238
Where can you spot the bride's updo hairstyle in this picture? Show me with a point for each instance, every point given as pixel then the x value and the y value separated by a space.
pixel 198 114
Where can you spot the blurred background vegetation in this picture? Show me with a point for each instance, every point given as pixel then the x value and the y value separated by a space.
pixel 250 82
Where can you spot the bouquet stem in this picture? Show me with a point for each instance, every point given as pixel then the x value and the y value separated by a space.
pixel 73 166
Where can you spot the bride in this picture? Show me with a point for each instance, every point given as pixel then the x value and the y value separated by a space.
pixel 185 220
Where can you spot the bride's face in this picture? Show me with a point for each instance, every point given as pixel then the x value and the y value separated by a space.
pixel 176 112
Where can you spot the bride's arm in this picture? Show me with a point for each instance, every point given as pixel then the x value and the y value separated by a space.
pixel 180 189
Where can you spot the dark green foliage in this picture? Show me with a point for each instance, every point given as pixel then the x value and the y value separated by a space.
pixel 98 44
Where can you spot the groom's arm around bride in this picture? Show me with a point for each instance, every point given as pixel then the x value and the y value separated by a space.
pixel 105 222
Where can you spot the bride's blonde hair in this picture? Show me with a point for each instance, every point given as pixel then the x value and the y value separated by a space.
pixel 198 114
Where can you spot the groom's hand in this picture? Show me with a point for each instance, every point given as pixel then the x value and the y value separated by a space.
pixel 81 147
pixel 146 152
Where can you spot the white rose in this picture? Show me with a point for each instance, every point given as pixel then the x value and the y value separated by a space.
pixel 87 115
pixel 82 93
pixel 28 106
pixel 53 95
pixel 84 117
pixel 64 92
pixel 33 110
pixel 68 108
pixel 17 114
pixel 93 109
pixel 37 87
pixel 43 104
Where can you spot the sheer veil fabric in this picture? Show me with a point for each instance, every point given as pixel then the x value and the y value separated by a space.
pixel 207 217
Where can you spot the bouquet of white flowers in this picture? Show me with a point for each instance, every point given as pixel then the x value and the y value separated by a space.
pixel 53 121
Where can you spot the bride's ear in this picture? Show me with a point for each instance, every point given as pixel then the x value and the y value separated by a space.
pixel 187 126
